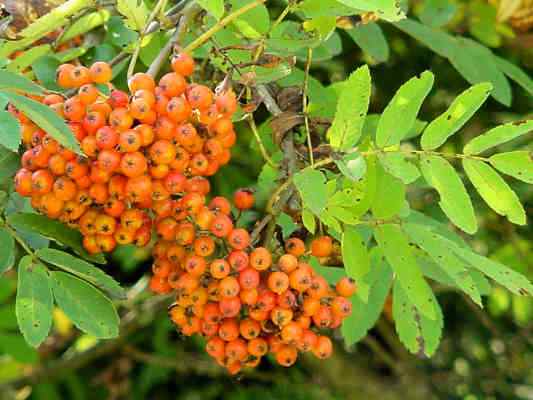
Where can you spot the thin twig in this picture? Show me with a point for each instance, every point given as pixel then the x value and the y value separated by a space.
pixel 260 143
pixel 189 12
pixel 259 228
pixel 382 354
pixel 305 104
pixel 221 25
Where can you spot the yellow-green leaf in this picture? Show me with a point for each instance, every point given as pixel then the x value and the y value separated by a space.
pixel 136 13
pixel 395 246
pixel 460 111
pixel 399 116
pixel 495 191
pixel 390 195
pixel 499 135
pixel 518 164
pixel 454 199
pixel 352 108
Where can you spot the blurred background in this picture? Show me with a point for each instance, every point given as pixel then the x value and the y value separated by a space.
pixel 485 353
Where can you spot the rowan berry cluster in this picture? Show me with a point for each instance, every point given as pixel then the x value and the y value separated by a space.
pixel 142 151
pixel 245 303
pixel 146 159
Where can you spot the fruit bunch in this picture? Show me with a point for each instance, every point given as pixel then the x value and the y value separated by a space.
pixel 146 158
pixel 245 303
pixel 145 152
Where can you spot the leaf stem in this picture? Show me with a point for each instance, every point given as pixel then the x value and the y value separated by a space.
pixel 326 161
pixel 221 24
pixel 260 143
pixel 305 104
pixel 19 240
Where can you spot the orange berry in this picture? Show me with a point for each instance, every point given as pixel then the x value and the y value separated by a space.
pixel 243 199
pixel 286 356
pixel 278 282
pixel 183 64
pixel 199 96
pixel 346 287
pixel 229 287
pixel 228 330
pixel 100 72
pixel 288 263
pixel 291 333
pixel 260 259
pixel 172 85
pixel 221 226
pixel 249 278
pixel 141 81
pixel 322 246
pixel 295 246
pixel 219 269
pixel 323 347
pixel 239 239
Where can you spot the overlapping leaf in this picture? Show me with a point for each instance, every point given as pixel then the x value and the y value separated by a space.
pixel 399 116
pixel 454 199
pixel 395 246
pixel 495 191
pixel 459 112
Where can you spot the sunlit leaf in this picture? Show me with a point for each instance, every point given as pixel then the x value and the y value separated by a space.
pixel 495 191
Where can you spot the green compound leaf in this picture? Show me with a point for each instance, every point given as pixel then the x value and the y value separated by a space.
pixel 312 187
pixel 395 246
pixel 454 199
pixel 9 131
pixel 215 7
pixel 85 305
pixel 352 166
pixel 352 108
pixel 46 119
pixel 460 111
pixel 399 166
pixel 389 10
pixel 7 255
pixel 518 164
pixel 505 276
pixel 19 83
pixel 435 247
pixel 135 12
pixel 418 333
pixel 34 301
pixel 495 191
pixel 54 230
pixel 515 73
pixel 399 116
pixel 370 38
pixel 499 135
pixel 365 313
pixel 83 270
pixel 308 219
pixel 355 257
pixel 389 205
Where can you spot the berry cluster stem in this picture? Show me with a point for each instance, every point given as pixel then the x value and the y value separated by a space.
pixel 155 12
pixel 221 25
